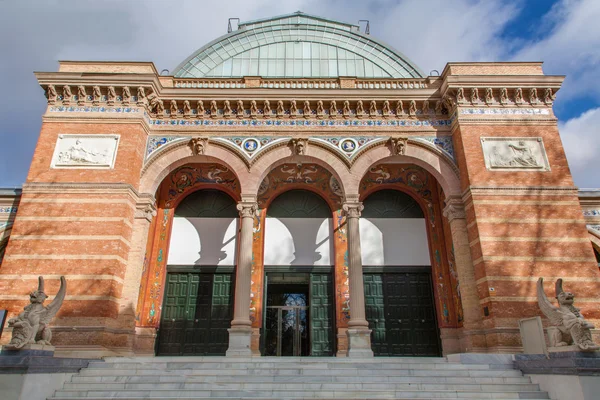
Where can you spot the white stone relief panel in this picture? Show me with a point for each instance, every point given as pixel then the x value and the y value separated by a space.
pixel 514 154
pixel 85 151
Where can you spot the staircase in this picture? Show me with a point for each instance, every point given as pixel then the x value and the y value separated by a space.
pixel 295 378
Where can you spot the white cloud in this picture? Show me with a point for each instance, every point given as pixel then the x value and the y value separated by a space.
pixel 581 140
pixel 572 48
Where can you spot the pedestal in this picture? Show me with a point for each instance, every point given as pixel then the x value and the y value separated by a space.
pixel 359 343
pixel 240 340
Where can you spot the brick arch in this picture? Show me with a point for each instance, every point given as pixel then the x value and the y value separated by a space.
pixel 314 155
pixel 179 154
pixel 437 164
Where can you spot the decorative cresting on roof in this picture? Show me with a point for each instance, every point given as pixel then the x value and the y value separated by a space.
pixel 297 45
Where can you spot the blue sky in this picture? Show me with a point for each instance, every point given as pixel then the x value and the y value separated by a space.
pixel 565 34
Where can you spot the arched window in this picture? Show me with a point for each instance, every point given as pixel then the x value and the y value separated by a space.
pixel 204 230
pixel 298 229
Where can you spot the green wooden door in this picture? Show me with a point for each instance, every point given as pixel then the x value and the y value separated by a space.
pixel 375 313
pixel 321 315
pixel 197 312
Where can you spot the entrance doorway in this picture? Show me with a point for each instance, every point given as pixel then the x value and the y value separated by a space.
pixel 298 318
pixel 400 311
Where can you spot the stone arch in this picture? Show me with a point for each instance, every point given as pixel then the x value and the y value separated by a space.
pixel 313 154
pixel 434 161
pixel 179 154
pixel 595 238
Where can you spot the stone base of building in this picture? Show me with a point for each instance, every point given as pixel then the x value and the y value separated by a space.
pixel 359 343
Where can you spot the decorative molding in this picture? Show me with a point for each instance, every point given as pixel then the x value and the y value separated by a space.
pixel 454 210
pixel 514 154
pixel 595 228
pixel 8 210
pixel 504 111
pixel 145 210
pixel 518 191
pixel 85 151
pixel 591 213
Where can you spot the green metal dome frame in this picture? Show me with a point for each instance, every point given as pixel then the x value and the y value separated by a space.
pixel 297 45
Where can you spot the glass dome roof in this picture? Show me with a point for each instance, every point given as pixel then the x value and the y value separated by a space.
pixel 297 46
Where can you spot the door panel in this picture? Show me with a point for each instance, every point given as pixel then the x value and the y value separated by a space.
pixel 321 315
pixel 404 302
pixel 196 314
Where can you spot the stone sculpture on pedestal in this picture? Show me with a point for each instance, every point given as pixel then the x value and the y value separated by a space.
pixel 569 326
pixel 32 325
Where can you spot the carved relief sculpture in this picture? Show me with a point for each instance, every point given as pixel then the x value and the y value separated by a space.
pixel 439 107
pixel 399 145
pixel 227 111
pixel 200 111
pixel 81 95
pixel 386 109
pixel 67 95
pixel 253 109
pixel 474 95
pixel 425 110
pixel 320 109
pixel 198 145
pixel 399 108
pixel 346 109
pixel 306 110
pixel 569 325
pixel 267 109
pixel 299 146
pixel 187 109
pixel 213 109
pixel 126 95
pixel 460 96
pixel 173 109
pixel 449 102
pixel 533 97
pixel 240 109
pixel 293 109
pixel 503 96
pixel 111 95
pixel 412 108
pixel 518 96
pixel 360 110
pixel 96 95
pixel 280 110
pixel 373 109
pixel 31 326
pixel 333 109
pixel 51 94
pixel 489 96
pixel 548 96
pixel 141 95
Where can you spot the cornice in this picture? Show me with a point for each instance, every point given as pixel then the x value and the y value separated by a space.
pixel 518 191
pixel 87 188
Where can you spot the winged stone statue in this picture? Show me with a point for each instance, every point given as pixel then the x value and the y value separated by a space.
pixel 32 325
pixel 569 325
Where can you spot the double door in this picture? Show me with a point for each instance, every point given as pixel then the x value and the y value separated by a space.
pixel 197 311
pixel 401 314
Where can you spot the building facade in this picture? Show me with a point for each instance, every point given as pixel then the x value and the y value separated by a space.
pixel 297 187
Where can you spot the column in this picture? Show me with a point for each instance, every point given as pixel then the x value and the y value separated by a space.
pixel 472 337
pixel 359 334
pixel 240 333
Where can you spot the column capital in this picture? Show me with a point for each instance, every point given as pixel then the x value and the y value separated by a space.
pixel 454 209
pixel 145 210
pixel 247 209
pixel 353 209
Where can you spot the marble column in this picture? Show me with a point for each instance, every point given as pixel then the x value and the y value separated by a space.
pixel 472 337
pixel 240 333
pixel 359 334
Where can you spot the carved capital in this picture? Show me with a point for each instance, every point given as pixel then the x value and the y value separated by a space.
pixel 247 209
pixel 454 210
pixel 352 210
pixel 145 211
pixel 198 145
pixel 398 145
pixel 299 146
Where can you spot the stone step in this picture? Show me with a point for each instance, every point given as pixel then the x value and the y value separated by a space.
pixel 287 394
pixel 302 378
pixel 297 366
pixel 298 372
pixel 278 360
pixel 304 386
